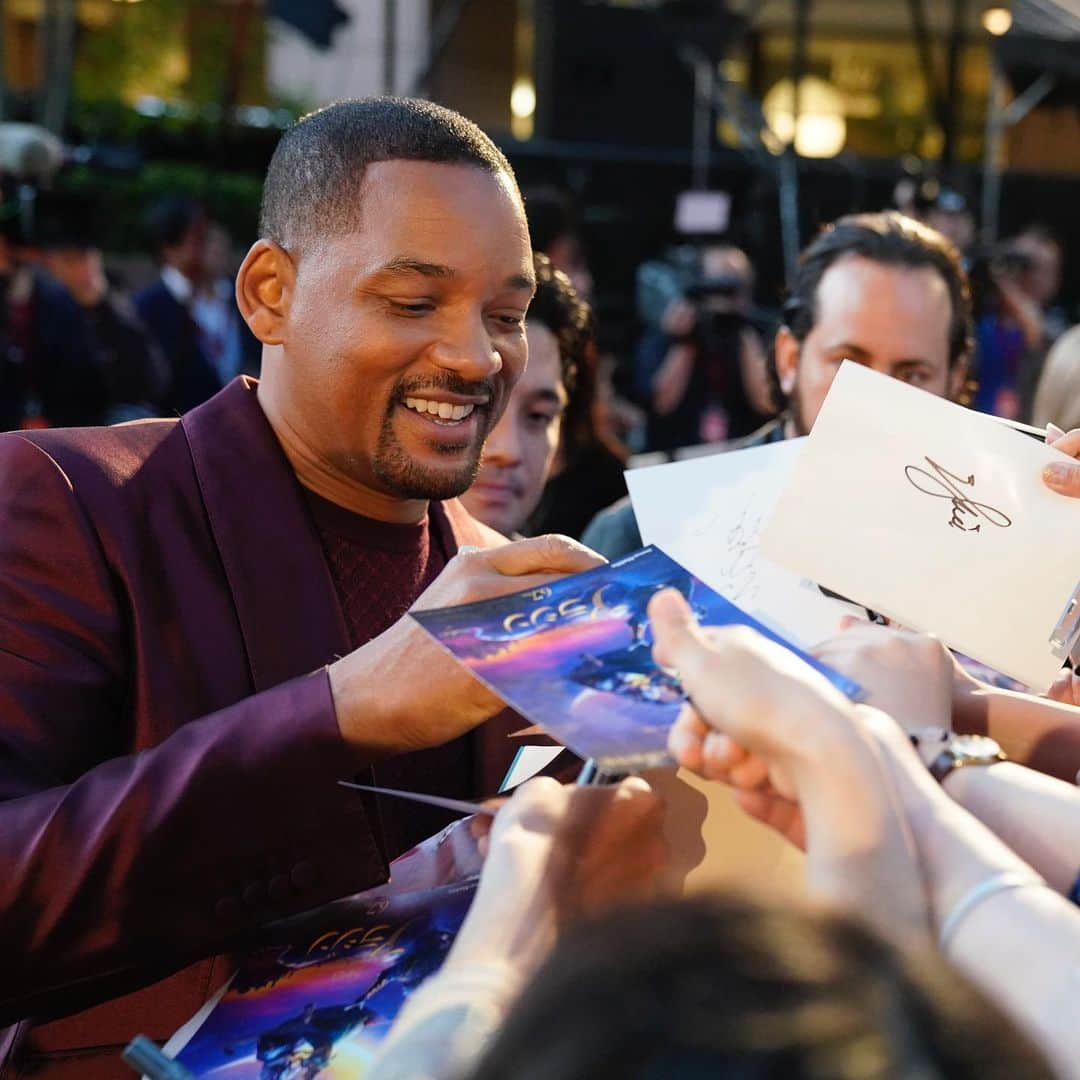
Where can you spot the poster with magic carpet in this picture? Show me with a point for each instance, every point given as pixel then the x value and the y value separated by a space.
pixel 575 656
pixel 318 1010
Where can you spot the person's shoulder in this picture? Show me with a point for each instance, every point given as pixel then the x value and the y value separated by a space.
pixel 94 456
pixel 770 432
pixel 152 297
pixel 614 531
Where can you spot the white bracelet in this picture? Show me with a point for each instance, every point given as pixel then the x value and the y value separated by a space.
pixel 1007 879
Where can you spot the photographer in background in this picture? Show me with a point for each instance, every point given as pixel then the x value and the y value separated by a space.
pixel 702 371
pixel 1014 289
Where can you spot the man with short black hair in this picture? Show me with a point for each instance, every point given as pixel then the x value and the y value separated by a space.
pixel 177 230
pixel 520 451
pixel 880 289
pixel 203 621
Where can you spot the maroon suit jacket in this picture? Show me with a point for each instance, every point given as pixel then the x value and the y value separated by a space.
pixel 168 743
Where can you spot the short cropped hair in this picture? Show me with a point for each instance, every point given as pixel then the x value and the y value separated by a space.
pixel 889 238
pixel 723 987
pixel 315 179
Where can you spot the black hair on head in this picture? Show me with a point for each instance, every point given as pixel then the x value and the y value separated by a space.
pixel 315 179
pixel 170 219
pixel 557 306
pixel 889 238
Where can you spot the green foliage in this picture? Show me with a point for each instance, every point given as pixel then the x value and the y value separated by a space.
pixel 121 200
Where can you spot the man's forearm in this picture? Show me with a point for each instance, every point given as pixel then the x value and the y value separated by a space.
pixel 1042 734
pixel 1035 815
pixel 152 860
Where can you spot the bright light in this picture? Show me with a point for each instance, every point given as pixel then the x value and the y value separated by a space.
pixel 997 20
pixel 822 129
pixel 523 98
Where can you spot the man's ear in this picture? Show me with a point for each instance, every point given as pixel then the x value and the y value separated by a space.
pixel 787 359
pixel 264 286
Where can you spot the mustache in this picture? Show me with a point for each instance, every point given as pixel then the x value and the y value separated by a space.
pixel 451 383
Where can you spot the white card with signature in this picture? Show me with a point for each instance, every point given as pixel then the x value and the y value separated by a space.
pixel 935 516
pixel 707 513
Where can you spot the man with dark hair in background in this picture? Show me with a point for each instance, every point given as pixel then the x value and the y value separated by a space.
pixel 880 289
pixel 205 619
pixel 177 228
pixel 545 466
pixel 131 364
pixel 49 375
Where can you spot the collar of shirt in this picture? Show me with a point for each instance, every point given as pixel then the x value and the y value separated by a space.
pixel 177 284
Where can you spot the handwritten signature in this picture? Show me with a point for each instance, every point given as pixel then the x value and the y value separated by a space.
pixel 967 515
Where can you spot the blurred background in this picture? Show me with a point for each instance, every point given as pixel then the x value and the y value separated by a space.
pixel 650 137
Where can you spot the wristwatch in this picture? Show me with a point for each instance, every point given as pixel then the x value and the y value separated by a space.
pixel 962 750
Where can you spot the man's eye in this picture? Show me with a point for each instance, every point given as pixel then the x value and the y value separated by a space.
pixel 412 307
pixel 511 322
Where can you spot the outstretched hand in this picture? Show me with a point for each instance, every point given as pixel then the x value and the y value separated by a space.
pixel 1063 476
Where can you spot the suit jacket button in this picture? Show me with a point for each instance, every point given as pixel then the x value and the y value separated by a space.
pixel 227 909
pixel 279 890
pixel 254 893
pixel 303 875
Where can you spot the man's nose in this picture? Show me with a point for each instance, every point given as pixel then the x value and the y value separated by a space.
pixel 503 446
pixel 467 350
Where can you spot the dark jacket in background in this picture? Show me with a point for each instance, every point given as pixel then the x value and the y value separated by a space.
pixel 192 378
pixel 48 370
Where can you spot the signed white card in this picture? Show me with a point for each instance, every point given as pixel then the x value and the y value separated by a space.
pixel 935 516
pixel 707 514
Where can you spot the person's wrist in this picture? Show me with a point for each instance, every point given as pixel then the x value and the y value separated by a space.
pixel 364 700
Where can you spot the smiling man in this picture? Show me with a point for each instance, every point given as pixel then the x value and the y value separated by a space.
pixel 203 621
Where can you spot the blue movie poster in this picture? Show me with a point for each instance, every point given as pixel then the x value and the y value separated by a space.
pixel 575 657
pixel 320 1008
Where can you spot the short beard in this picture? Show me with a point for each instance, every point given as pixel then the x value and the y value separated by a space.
pixel 399 474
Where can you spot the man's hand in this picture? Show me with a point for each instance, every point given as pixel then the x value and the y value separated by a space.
pixel 402 692
pixel 1063 476
pixel 803 759
pixel 907 675
pixel 555 853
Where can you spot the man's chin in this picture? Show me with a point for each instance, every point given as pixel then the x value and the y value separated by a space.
pixel 422 480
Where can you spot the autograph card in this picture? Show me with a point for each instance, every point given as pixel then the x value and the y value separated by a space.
pixel 708 514
pixel 576 656
pixel 935 516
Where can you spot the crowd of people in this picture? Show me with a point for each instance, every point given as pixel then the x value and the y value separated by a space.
pixel 79 348
pixel 204 625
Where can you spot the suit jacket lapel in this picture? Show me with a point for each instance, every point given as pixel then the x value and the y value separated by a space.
pixel 290 617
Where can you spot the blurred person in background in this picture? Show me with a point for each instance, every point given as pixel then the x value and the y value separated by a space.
pixel 553 229
pixel 178 228
pixel 1057 396
pixel 130 361
pixel 545 468
pixel 882 290
pixel 230 346
pixel 49 374
pixel 949 212
pixel 1016 320
pixel 703 370
pixel 519 452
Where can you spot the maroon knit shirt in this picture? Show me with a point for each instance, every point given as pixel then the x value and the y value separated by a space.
pixel 378 570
